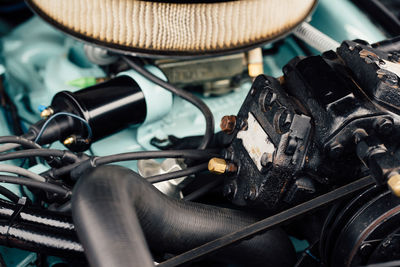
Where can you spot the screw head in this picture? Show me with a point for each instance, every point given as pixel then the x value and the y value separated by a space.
pixel 384 126
pixel 228 124
pixel 336 150
pixel 284 121
pixel 266 160
pixel 251 194
pixel 269 99
pixel 229 190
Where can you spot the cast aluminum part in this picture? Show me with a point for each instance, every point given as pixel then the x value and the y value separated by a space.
pixel 170 188
pixel 98 55
pixel 314 38
pixel 216 75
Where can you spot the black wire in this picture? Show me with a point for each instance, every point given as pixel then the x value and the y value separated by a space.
pixel 203 190
pixel 97 161
pixel 66 207
pixel 209 118
pixel 177 174
pixel 38 153
pixel 187 154
pixel 36 184
pixel 9 194
pixel 19 140
pixel 61 171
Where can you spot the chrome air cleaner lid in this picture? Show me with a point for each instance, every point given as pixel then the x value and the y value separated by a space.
pixel 175 28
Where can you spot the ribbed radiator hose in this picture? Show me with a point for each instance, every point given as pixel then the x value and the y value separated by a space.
pixel 38 230
pixel 117 213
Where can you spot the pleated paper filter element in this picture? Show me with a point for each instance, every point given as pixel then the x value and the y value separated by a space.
pixel 178 28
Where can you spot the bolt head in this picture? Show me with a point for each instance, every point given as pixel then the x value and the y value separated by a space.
pixel 228 124
pixel 284 121
pixel 269 99
pixel 227 190
pixel 251 194
pixel 384 126
pixel 266 160
pixel 230 190
pixel 336 150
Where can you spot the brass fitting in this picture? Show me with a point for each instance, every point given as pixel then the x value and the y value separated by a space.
pixel 394 184
pixel 46 113
pixel 217 166
pixel 69 141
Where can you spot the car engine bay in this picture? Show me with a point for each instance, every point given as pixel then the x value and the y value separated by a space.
pixel 200 133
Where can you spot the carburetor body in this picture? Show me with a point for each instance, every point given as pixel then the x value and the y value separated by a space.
pixel 329 120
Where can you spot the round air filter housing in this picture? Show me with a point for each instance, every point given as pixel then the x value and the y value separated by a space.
pixel 175 28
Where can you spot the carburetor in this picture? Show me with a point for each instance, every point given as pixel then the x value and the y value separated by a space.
pixel 329 120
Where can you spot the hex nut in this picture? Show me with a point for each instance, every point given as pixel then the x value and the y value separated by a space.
pixel 228 124
pixel 217 166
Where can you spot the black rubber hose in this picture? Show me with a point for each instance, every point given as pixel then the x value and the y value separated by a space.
pixel 38 230
pixel 41 152
pixel 28 237
pixel 20 140
pixel 115 211
pixel 45 186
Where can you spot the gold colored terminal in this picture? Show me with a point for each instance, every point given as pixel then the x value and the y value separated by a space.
pixel 46 113
pixel 394 184
pixel 255 64
pixel 217 166
pixel 69 141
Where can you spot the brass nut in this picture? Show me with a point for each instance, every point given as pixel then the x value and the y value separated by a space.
pixel 46 113
pixel 394 184
pixel 228 124
pixel 217 165
pixel 69 141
